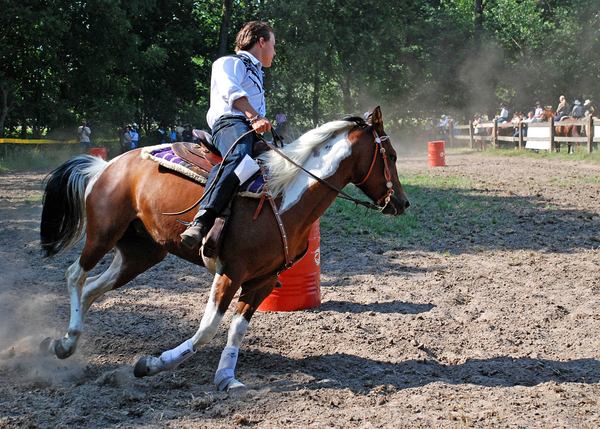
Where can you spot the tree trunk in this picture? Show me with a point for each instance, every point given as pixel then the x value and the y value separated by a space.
pixel 478 22
pixel 315 103
pixel 4 110
pixel 225 20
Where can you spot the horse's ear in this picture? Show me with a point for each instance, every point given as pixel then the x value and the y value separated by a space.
pixel 377 121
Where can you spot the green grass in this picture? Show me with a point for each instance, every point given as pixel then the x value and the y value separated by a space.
pixel 441 208
pixel 30 157
pixel 18 157
pixel 582 155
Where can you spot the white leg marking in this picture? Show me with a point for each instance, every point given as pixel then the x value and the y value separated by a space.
pixel 237 330
pixel 76 277
pixel 210 321
pixel 225 375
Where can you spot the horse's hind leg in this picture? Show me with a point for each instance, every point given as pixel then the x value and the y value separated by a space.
pixel 133 255
pixel 65 347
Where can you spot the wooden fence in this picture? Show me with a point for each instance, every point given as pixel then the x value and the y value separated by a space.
pixel 540 135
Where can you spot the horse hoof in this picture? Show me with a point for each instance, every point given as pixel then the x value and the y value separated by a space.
pixel 141 367
pixel 60 351
pixel 235 388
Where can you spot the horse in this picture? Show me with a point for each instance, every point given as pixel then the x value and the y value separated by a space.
pixel 122 205
pixel 562 130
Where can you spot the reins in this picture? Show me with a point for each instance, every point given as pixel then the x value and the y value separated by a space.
pixel 341 194
pixel 379 148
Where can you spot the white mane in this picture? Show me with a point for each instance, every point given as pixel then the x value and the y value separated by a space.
pixel 282 174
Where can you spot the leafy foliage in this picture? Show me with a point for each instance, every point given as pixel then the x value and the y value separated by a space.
pixel 116 61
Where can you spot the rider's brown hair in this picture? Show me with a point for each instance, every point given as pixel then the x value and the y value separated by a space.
pixel 251 34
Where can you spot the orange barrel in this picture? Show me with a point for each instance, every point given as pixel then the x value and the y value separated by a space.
pixel 301 284
pixel 99 152
pixel 437 154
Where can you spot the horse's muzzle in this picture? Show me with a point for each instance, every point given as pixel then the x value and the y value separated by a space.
pixel 397 205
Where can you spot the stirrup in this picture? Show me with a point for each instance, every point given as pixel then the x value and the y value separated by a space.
pixel 193 239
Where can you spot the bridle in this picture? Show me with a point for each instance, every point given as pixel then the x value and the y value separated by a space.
pixel 378 149
pixel 386 171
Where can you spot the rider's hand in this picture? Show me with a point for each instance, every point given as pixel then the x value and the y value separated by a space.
pixel 262 125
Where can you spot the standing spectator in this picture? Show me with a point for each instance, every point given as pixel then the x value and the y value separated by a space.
pixel 478 131
pixel 503 114
pixel 126 139
pixel 562 109
pixel 180 131
pixel 443 127
pixel 83 135
pixel 539 111
pixel 173 134
pixel 135 137
pixel 188 135
pixel 162 135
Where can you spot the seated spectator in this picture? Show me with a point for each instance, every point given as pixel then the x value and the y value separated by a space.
pixel 503 117
pixel 590 109
pixel 577 112
pixel 529 119
pixel 562 109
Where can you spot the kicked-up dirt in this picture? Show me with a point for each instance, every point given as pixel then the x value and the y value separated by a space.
pixel 473 329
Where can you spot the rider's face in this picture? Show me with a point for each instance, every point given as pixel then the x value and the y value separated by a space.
pixel 267 51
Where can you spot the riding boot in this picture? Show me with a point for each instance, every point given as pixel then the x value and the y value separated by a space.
pixel 198 228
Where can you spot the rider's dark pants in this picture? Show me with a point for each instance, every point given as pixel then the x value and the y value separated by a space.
pixel 225 133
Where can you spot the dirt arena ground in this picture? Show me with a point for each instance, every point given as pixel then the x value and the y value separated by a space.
pixel 470 330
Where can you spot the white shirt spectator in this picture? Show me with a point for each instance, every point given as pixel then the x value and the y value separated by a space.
pixel 504 113
pixel 84 134
pixel 231 79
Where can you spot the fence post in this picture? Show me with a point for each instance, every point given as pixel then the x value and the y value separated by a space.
pixel 470 134
pixel 590 133
pixel 552 130
pixel 495 138
pixel 452 134
pixel 521 135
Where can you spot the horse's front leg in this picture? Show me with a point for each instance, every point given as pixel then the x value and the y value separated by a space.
pixel 253 294
pixel 222 292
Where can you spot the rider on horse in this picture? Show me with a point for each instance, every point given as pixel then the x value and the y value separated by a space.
pixel 237 106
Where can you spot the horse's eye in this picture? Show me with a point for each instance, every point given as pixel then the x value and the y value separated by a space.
pixel 393 158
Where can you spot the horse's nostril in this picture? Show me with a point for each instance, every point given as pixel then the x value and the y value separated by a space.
pixel 406 204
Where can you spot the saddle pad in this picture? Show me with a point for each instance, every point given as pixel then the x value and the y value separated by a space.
pixel 164 155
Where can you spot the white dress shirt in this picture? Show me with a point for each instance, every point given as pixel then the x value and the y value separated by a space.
pixel 230 80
